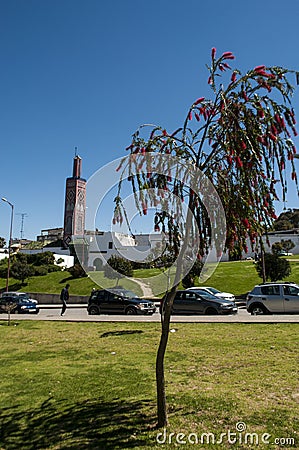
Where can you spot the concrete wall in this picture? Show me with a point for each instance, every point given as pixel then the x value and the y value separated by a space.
pixel 53 299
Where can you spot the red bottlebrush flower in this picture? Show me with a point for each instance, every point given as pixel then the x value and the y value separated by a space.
pixel 274 129
pixel 274 216
pixel 239 162
pixel 294 176
pixel 142 150
pixel 260 139
pixel 282 165
pixel 213 52
pixel 168 151
pixel 258 68
pixel 272 137
pixel 197 117
pixel 157 228
pixel 244 95
pixel 164 133
pixel 227 55
pixel 190 115
pixel 266 204
pixel 199 100
pixel 294 150
pixel 243 145
pixel 261 72
pixel 246 223
pixel 261 113
pixel 290 156
pixel 210 80
pixel 226 65
pixel 221 68
pixel 233 77
pixel 246 249
pixel 229 160
pixel 295 132
pixel 114 221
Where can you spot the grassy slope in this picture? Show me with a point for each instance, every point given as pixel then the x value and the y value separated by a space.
pixel 92 385
pixel 236 277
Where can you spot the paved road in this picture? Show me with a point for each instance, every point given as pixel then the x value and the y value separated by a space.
pixel 80 314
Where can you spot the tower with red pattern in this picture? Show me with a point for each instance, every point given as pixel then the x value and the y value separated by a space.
pixel 75 201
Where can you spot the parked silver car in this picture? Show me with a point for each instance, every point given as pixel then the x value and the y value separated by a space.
pixel 271 298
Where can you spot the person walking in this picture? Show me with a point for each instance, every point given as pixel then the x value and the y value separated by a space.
pixel 64 296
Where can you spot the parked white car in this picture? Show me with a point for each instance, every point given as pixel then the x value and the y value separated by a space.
pixel 211 290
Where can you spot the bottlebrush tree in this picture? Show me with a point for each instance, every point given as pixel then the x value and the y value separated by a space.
pixel 241 140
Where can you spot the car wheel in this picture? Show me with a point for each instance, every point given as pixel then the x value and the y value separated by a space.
pixel 131 311
pixel 257 310
pixel 93 310
pixel 211 312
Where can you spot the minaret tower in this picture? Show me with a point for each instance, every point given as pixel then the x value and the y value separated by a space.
pixel 75 200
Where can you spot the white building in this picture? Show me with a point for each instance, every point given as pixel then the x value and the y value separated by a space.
pixel 102 245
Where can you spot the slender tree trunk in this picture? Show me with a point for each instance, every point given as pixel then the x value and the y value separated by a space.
pixel 160 379
pixel 166 310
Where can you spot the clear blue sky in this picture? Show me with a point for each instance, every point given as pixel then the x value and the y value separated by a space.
pixel 87 73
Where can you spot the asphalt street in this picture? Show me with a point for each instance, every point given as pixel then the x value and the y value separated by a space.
pixel 79 314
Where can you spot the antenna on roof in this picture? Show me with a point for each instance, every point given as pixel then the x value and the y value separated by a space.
pixel 76 151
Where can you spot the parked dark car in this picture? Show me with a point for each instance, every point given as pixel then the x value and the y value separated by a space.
pixel 23 295
pixel 192 302
pixel 18 305
pixel 118 301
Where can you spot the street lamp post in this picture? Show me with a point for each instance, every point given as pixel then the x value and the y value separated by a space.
pixel 10 240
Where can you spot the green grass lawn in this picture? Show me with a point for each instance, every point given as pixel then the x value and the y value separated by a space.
pixel 237 277
pixel 92 385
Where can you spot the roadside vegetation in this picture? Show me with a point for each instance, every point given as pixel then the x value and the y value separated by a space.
pixel 237 277
pixel 91 385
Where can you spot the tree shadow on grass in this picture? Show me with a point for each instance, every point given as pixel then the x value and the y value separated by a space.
pixel 120 333
pixel 93 424
pixel 64 280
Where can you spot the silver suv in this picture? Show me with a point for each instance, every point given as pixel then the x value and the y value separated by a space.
pixel 271 298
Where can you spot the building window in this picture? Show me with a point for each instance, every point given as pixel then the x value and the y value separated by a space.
pixel 110 245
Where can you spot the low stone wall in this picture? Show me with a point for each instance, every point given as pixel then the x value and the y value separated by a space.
pixel 53 299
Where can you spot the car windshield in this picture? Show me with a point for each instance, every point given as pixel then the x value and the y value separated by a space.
pixel 24 296
pixel 213 290
pixel 125 293
pixel 206 294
